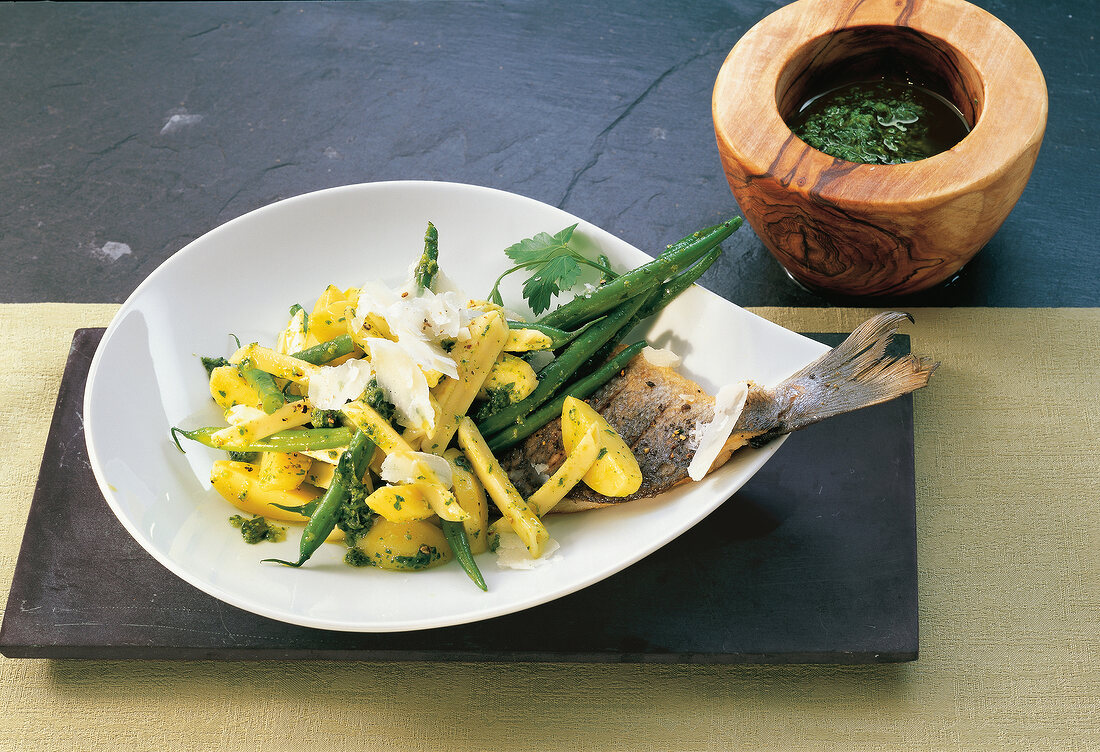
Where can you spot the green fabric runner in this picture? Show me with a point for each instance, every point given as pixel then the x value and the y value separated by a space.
pixel 1008 514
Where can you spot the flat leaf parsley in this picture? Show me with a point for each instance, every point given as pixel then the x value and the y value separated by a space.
pixel 557 263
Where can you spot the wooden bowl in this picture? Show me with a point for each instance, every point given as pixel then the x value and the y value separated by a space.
pixel 878 230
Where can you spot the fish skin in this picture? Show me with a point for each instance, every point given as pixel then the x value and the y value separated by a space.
pixel 646 405
pixel 657 411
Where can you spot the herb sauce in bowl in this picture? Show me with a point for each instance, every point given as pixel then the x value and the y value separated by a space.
pixel 880 122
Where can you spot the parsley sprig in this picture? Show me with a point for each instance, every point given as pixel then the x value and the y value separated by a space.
pixel 557 263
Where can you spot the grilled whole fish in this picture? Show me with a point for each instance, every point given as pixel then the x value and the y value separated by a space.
pixel 657 411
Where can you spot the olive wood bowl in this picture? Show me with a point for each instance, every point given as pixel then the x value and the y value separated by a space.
pixel 878 230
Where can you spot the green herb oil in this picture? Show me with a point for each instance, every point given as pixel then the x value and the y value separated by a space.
pixel 880 122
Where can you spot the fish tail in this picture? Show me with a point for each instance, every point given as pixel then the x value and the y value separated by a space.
pixel 856 374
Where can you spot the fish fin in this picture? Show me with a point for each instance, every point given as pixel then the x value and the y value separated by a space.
pixel 856 374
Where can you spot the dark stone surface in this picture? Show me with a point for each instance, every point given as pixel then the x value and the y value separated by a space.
pixel 600 108
pixel 814 560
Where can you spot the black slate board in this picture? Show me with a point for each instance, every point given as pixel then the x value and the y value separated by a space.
pixel 814 560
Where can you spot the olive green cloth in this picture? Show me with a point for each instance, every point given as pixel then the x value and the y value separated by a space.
pixel 1008 514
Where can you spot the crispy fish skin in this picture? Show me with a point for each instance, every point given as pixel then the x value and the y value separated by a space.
pixel 653 408
pixel 657 411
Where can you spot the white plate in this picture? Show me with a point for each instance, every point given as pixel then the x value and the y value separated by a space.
pixel 243 276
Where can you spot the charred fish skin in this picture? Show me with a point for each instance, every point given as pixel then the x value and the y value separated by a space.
pixel 658 411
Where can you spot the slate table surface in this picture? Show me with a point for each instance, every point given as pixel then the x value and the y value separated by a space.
pixel 128 130
pixel 131 129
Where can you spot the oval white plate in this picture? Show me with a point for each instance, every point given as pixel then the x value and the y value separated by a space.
pixel 242 277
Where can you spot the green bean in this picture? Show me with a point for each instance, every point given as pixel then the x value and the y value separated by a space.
pixel 306 510
pixel 564 366
pixel 655 302
pixel 349 473
pixel 598 358
pixel 580 389
pixel 455 532
pixel 271 397
pixel 668 292
pixel 636 282
pixel 687 240
pixel 558 338
pixel 292 440
pixel 428 266
pixel 326 351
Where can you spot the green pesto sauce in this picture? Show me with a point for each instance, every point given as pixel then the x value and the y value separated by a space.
pixel 257 529
pixel 880 122
pixel 422 559
pixel 356 558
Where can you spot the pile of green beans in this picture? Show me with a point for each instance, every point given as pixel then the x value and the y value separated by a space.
pixel 611 312
pixel 634 283
pixel 585 333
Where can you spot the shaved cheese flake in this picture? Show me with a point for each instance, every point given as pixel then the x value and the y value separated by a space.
pixel 239 414
pixel 427 355
pixel 432 316
pixel 375 297
pixel 419 323
pixel 402 383
pixel 333 386
pixel 513 554
pixel 407 467
pixel 664 358
pixel 329 456
pixel 728 404
pixel 443 283
pixel 293 338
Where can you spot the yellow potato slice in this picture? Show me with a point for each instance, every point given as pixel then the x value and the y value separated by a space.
pixel 404 546
pixel 471 495
pixel 283 471
pixel 239 484
pixel 228 388
pixel 615 471
pixel 400 503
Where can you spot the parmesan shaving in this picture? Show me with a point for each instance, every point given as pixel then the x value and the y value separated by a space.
pixel 728 404
pixel 402 383
pixel 329 456
pixel 664 358
pixel 419 323
pixel 408 467
pixel 512 554
pixel 239 414
pixel 333 386
pixel 293 338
